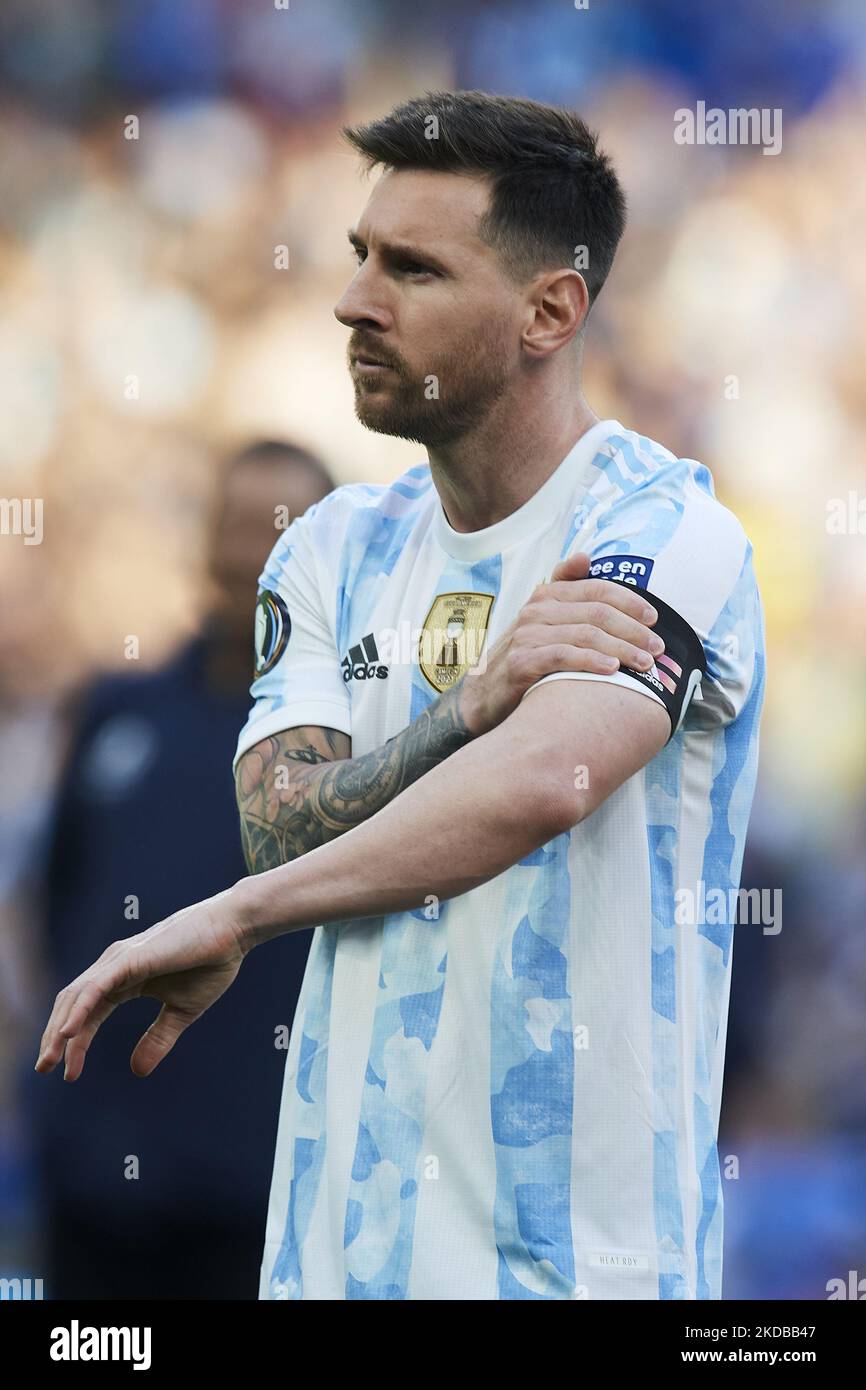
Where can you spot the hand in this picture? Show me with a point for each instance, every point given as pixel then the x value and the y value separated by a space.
pixel 570 623
pixel 186 962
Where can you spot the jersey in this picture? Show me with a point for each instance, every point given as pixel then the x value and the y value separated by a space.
pixel 515 1093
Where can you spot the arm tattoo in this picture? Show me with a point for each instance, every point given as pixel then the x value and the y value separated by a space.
pixel 299 789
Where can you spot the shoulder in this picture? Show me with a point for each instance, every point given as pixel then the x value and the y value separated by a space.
pixel 397 497
pixel 657 524
pixel 653 504
pixel 354 507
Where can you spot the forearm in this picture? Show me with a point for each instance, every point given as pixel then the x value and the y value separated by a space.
pixel 469 819
pixel 294 794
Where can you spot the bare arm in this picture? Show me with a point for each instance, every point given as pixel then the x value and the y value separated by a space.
pixel 475 815
pixel 299 789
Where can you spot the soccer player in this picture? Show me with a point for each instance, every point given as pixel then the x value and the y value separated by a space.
pixel 504 1077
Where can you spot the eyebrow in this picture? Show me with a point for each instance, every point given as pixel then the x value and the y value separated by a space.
pixel 395 251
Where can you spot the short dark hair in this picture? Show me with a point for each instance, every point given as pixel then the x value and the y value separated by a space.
pixel 279 453
pixel 552 188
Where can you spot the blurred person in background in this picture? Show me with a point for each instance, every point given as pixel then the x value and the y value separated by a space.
pixel 159 1191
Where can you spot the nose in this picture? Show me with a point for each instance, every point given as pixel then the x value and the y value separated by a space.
pixel 359 306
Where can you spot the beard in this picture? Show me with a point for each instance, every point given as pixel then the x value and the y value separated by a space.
pixel 446 401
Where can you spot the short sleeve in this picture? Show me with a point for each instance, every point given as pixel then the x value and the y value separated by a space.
pixel 297 674
pixel 690 557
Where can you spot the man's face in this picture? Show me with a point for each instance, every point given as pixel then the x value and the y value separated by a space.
pixel 432 305
pixel 244 532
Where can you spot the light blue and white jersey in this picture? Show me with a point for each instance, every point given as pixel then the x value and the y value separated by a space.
pixel 517 1096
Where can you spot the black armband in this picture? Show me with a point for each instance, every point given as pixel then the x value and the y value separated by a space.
pixel 677 673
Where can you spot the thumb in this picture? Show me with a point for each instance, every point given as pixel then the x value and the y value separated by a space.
pixel 159 1039
pixel 574 566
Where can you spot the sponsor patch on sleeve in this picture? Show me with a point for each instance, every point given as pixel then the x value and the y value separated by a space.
pixel 272 629
pixel 628 569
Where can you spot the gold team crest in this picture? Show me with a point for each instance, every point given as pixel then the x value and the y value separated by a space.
pixel 452 637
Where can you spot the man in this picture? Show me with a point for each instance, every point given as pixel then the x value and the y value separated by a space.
pixel 504 1079
pixel 145 808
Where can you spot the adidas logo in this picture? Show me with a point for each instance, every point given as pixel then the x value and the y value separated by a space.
pixel 362 661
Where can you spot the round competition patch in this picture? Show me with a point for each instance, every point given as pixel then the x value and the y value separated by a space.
pixel 273 627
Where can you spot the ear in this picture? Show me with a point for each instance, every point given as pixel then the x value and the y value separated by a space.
pixel 557 310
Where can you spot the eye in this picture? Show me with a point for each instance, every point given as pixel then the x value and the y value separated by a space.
pixel 358 253
pixel 414 268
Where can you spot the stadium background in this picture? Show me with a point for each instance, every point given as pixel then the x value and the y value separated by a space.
pixel 733 330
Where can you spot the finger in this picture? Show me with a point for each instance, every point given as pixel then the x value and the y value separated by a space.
pixel 621 596
pixel 574 566
pixel 88 1001
pixel 77 1046
pixel 50 1045
pixel 614 623
pixel 600 617
pixel 70 1000
pixel 160 1038
pixel 564 657
pixel 587 637
pixel 72 1009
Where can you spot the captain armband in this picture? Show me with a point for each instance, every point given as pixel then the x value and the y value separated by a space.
pixel 676 675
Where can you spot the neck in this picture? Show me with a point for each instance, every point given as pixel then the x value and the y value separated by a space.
pixel 489 473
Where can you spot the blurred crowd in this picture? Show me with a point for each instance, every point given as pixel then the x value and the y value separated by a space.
pixel 174 199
